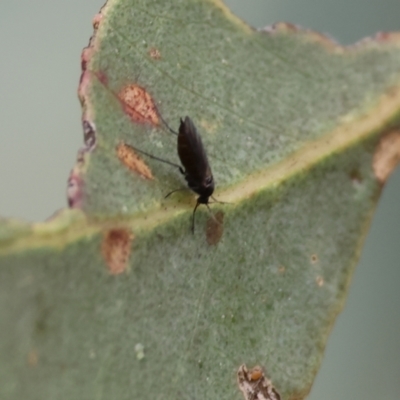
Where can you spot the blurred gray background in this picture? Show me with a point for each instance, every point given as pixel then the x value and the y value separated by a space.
pixel 40 132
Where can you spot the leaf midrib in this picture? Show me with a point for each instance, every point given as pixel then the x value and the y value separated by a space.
pixel 73 224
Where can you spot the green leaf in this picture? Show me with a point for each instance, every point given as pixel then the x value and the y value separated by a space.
pixel 117 299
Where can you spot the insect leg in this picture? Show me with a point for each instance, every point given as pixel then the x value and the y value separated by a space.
pixel 220 202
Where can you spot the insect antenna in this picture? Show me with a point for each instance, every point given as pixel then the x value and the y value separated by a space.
pixel 156 158
pixel 165 123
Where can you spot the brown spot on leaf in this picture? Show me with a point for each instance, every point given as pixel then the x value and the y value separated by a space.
pixel 130 159
pixel 328 42
pixel 314 258
pixel 96 20
pixel 89 134
pixel 320 281
pixel 33 358
pixel 387 155
pixel 75 189
pixel 209 126
pixel 86 55
pixel 116 249
pixel 255 385
pixel 154 53
pixel 102 77
pixel 355 176
pixel 138 104
pixel 284 27
pixel 387 36
pixel 83 85
pixel 215 228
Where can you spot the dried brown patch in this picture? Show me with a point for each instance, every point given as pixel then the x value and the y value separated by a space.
pixel 33 358
pixel 96 20
pixel 102 77
pixel 116 249
pixel 75 189
pixel 387 156
pixel 326 41
pixel 86 55
pixel 281 269
pixel 314 258
pixel 89 134
pixel 130 159
pixel 84 82
pixel 387 36
pixel 138 104
pixel 215 228
pixel 355 176
pixel 320 281
pixel 154 53
pixel 208 126
pixel 255 385
pixel 285 27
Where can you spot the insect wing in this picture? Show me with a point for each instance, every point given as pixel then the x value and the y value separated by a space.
pixel 192 153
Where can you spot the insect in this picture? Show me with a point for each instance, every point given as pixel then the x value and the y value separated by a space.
pixel 195 166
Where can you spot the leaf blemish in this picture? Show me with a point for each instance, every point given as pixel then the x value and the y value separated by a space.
pixel 102 77
pixel 215 228
pixel 255 385
pixel 89 135
pixel 33 358
pixel 320 281
pixel 314 258
pixel 355 176
pixel 75 189
pixel 138 104
pixel 130 159
pixel 96 20
pixel 139 350
pixel 154 53
pixel 387 156
pixel 116 249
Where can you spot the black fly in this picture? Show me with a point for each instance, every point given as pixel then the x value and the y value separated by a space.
pixel 196 168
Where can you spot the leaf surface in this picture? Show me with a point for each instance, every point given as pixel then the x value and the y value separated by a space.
pixel 116 298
